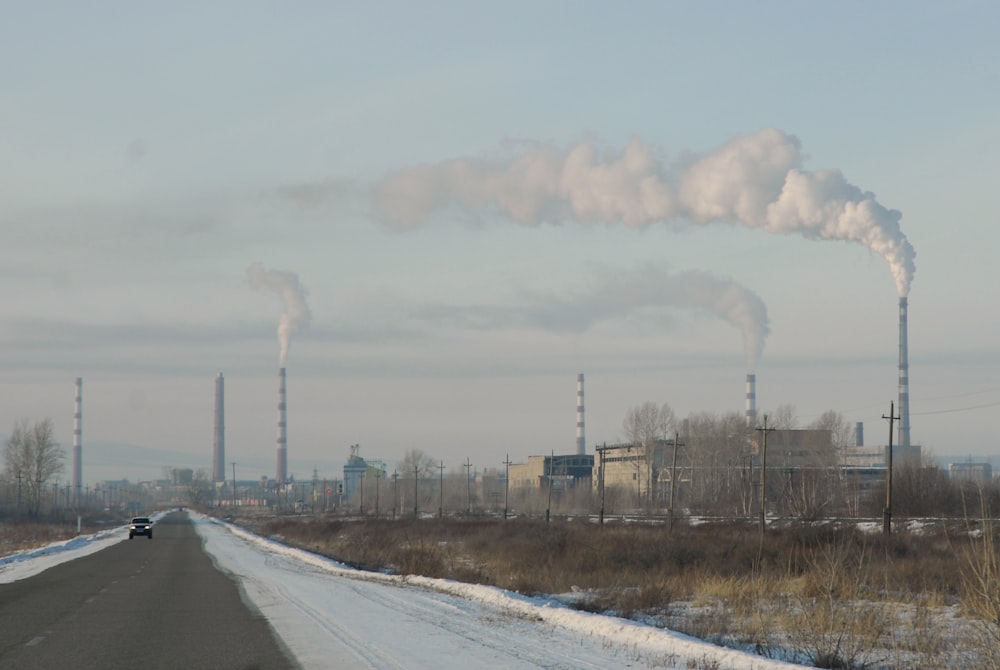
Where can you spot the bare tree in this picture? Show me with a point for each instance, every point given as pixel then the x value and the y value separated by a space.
pixel 719 458
pixel 644 426
pixel 32 457
pixel 415 460
pixel 416 467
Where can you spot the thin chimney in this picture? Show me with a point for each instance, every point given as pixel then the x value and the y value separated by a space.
pixel 281 472
pixel 904 379
pixel 78 440
pixel 219 443
pixel 751 412
pixel 581 440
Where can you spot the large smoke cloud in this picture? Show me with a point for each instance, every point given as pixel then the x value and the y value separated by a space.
pixel 755 180
pixel 296 312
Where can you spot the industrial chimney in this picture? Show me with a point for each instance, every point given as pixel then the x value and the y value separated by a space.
pixel 751 413
pixel 904 380
pixel 581 440
pixel 219 443
pixel 281 472
pixel 77 440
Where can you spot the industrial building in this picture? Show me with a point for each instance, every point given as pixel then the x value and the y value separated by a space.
pixel 564 471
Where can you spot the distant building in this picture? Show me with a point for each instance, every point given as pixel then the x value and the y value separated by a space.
pixel 980 473
pixel 795 449
pixel 644 469
pixel 356 468
pixel 565 471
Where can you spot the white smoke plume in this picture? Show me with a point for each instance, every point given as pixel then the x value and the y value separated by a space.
pixel 755 180
pixel 652 285
pixel 614 294
pixel 296 312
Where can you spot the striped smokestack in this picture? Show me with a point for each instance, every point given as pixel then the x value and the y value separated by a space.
pixel 281 472
pixel 751 413
pixel 78 440
pixel 904 379
pixel 581 440
pixel 219 443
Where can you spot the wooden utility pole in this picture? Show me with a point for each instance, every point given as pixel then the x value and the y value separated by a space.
pixel 416 488
pixel 468 486
pixel 600 450
pixel 395 492
pixel 506 486
pixel 673 485
pixel 548 507
pixel 234 486
pixel 441 491
pixel 763 472
pixel 887 512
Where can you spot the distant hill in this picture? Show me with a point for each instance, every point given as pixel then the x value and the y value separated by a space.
pixel 113 461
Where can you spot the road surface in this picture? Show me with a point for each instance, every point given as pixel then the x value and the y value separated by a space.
pixel 140 603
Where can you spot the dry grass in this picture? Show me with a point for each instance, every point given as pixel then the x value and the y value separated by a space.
pixel 832 596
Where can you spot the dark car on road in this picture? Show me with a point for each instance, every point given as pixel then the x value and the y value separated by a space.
pixel 140 525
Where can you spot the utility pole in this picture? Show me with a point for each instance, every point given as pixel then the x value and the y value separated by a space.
pixel 548 507
pixel 395 496
pixel 416 487
pixel 506 486
pixel 673 485
pixel 363 492
pixel 234 486
pixel 378 486
pixel 441 491
pixel 468 486
pixel 600 478
pixel 763 472
pixel 887 512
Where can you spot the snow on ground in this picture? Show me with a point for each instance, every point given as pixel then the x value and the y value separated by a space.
pixel 330 615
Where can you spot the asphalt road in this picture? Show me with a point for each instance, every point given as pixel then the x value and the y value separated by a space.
pixel 141 603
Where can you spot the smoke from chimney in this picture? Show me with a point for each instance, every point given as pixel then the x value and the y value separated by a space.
pixel 904 378
pixel 755 180
pixel 581 440
pixel 281 471
pixel 614 293
pixel 296 312
pixel 78 439
pixel 219 442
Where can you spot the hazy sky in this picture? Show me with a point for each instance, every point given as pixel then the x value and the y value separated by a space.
pixel 453 208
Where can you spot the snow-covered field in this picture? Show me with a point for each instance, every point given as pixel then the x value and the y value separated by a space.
pixel 330 615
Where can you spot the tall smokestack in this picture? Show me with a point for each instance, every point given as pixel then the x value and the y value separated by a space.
pixel 581 440
pixel 904 379
pixel 751 413
pixel 78 440
pixel 859 434
pixel 281 473
pixel 219 443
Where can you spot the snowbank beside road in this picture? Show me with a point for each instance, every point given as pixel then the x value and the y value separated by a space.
pixel 330 614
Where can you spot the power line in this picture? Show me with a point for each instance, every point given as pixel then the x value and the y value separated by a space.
pixel 956 409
